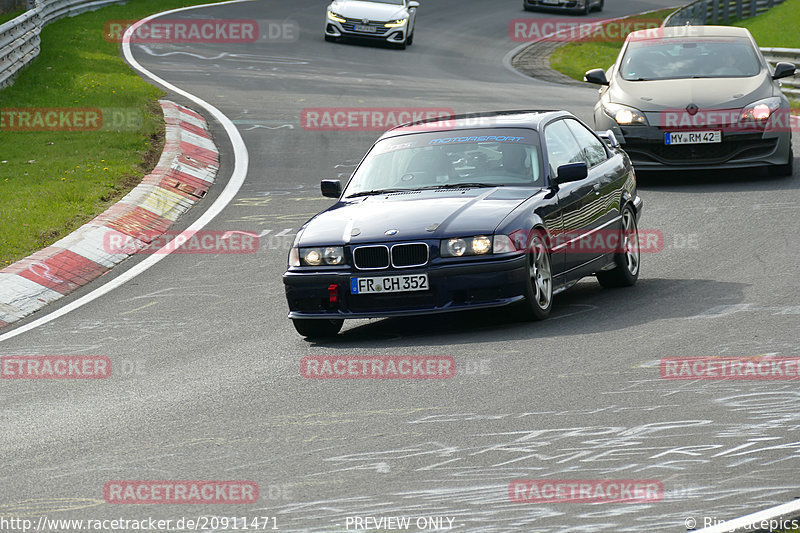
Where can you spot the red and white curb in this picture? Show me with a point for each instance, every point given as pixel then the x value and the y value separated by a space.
pixel 183 175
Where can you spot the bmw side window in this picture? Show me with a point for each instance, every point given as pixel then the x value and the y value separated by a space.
pixel 592 146
pixel 562 148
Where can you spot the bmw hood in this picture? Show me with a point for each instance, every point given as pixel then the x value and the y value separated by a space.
pixel 413 215
pixel 705 93
pixel 357 9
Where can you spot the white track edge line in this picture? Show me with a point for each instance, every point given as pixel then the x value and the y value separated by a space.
pixel 241 162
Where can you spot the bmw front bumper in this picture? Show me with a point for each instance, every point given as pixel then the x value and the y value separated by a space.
pixel 453 287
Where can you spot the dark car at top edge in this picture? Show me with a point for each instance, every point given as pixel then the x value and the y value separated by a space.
pixel 471 212
pixel 581 7
pixel 695 98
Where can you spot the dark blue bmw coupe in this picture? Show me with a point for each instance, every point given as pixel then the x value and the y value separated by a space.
pixel 470 212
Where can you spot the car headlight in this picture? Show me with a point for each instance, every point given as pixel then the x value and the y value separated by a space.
pixel 322 256
pixel 760 111
pixel 333 255
pixel 459 247
pixel 396 23
pixel 335 16
pixel 625 115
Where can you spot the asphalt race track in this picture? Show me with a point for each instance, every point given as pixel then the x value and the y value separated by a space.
pixel 207 382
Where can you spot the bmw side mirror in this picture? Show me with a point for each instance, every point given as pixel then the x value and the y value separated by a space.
pixel 572 172
pixel 596 76
pixel 609 137
pixel 413 4
pixel 331 188
pixel 783 70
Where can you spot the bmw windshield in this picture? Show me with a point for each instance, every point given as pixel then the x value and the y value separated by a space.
pixel 475 158
pixel 681 58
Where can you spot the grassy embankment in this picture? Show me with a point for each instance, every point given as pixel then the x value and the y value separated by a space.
pixel 51 182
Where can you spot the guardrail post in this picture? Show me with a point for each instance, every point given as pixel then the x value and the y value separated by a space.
pixel 753 8
pixel 739 6
pixel 726 8
pixel 714 11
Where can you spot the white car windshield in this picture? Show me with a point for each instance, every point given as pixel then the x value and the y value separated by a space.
pixel 680 58
pixel 478 158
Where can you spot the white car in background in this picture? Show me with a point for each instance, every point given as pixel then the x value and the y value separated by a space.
pixel 390 21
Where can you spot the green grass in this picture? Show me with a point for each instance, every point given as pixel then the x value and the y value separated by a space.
pixel 52 182
pixel 5 17
pixel 574 59
pixel 777 28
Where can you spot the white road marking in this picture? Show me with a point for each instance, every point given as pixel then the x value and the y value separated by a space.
pixel 290 126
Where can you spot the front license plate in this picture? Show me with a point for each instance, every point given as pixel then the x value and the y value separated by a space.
pixel 375 285
pixel 365 29
pixel 693 137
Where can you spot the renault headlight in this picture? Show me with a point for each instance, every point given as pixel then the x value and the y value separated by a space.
pixel 625 115
pixel 760 111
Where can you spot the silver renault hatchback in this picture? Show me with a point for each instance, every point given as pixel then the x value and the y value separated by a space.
pixel 696 97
